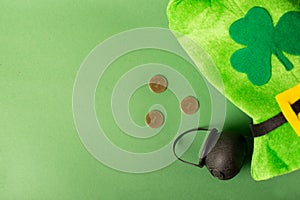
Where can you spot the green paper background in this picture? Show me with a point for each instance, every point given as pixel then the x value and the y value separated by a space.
pixel 43 44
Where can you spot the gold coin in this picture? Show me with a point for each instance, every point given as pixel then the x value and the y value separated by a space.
pixel 189 105
pixel 154 119
pixel 158 84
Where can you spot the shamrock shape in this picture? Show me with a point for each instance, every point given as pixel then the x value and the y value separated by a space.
pixel 256 31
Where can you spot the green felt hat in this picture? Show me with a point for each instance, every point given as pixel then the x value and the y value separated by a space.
pixel 255 45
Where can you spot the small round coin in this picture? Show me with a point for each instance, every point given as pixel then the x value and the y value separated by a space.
pixel 158 84
pixel 189 105
pixel 154 119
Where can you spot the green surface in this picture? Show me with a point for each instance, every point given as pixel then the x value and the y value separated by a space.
pixel 215 27
pixel 139 105
pixel 41 157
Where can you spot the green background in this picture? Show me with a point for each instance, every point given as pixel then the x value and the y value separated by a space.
pixel 43 44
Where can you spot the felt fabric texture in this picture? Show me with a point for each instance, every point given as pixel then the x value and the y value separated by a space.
pixel 208 22
pixel 256 31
